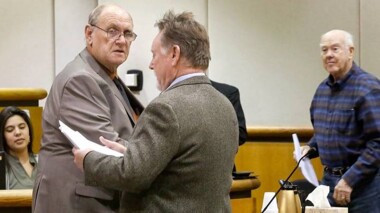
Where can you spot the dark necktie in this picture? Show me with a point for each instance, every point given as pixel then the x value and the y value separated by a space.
pixel 125 97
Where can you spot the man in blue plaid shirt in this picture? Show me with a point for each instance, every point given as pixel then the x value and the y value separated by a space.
pixel 345 113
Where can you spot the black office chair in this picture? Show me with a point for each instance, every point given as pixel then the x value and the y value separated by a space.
pixel 2 168
pixel 304 188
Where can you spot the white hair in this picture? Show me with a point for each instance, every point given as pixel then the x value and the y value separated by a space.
pixel 348 38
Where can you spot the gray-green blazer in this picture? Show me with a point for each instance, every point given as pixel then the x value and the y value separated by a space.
pixel 180 155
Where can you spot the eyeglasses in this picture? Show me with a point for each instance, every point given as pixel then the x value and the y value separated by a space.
pixel 114 34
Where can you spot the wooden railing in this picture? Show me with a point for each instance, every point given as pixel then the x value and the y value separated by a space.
pixel 267 134
pixel 21 200
pixel 16 201
pixel 16 198
pixel 21 96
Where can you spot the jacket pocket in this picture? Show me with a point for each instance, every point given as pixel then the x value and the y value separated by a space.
pixel 95 192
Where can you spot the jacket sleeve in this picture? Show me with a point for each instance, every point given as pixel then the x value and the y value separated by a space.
pixel 153 144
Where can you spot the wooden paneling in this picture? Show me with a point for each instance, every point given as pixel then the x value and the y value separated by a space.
pixel 269 154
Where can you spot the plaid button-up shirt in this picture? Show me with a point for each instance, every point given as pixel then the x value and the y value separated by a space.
pixel 346 120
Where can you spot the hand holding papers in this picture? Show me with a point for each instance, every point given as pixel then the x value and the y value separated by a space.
pixel 79 141
pixel 305 165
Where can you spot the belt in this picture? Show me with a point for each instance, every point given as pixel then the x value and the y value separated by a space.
pixel 338 171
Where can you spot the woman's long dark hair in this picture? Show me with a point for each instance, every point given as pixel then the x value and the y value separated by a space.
pixel 5 114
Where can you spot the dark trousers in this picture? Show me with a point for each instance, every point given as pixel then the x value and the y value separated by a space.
pixel 364 198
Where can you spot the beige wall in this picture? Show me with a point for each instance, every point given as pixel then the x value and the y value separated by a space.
pixel 145 14
pixel 26 43
pixel 269 49
pixel 370 35
pixel 70 17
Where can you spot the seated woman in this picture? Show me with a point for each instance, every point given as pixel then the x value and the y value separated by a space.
pixel 16 138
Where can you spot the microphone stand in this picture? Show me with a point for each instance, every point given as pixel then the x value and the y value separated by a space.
pixel 286 181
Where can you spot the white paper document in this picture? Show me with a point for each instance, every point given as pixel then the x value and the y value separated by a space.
pixel 305 165
pixel 79 141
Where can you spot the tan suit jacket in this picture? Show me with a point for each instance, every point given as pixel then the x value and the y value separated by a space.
pixel 85 98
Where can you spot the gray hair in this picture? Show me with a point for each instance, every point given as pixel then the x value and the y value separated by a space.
pixel 94 15
pixel 93 18
pixel 192 38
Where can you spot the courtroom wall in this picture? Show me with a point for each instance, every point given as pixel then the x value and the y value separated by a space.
pixel 26 43
pixel 269 49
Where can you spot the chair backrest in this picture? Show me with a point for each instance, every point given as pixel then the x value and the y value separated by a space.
pixel 304 188
pixel 2 169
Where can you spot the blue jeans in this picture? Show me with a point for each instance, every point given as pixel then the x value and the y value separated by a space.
pixel 364 198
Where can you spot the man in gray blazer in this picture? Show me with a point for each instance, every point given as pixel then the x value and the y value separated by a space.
pixel 180 155
pixel 89 97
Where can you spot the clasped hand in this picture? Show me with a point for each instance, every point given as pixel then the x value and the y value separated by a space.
pixel 80 154
pixel 342 193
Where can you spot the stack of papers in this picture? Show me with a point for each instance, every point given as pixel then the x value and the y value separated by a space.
pixel 79 141
pixel 305 165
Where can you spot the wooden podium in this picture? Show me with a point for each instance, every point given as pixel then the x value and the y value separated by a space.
pixel 241 195
pixel 27 99
pixel 241 188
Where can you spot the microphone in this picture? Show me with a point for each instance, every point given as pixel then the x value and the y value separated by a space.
pixel 311 152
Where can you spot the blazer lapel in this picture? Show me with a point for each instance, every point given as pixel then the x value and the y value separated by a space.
pixel 103 74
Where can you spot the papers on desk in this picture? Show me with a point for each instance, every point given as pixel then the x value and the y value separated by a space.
pixel 305 165
pixel 79 141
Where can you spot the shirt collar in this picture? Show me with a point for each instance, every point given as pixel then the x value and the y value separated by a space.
pixel 340 83
pixel 184 77
pixel 32 159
